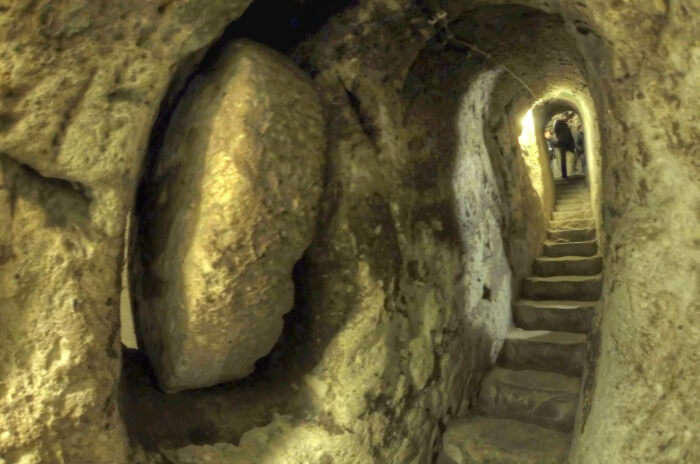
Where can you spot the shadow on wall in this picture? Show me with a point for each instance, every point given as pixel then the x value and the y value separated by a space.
pixel 480 214
pixel 292 22
pixel 487 184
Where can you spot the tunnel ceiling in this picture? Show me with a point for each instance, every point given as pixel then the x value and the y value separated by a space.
pixel 556 106
pixel 534 45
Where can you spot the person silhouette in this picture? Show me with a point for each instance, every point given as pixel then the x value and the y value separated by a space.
pixel 565 143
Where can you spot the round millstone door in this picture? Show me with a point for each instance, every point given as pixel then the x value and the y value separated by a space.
pixel 231 207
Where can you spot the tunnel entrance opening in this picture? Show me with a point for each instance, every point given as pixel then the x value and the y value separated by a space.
pixel 564 138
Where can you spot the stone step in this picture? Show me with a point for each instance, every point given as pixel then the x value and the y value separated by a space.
pixel 573 180
pixel 578 193
pixel 565 315
pixel 489 440
pixel 557 249
pixel 543 398
pixel 573 204
pixel 570 186
pixel 572 197
pixel 572 224
pixel 587 288
pixel 569 208
pixel 559 192
pixel 583 194
pixel 574 214
pixel 544 350
pixel 568 265
pixel 574 190
pixel 582 207
pixel 571 235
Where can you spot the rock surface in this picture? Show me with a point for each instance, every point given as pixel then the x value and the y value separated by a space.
pixel 80 84
pixel 234 197
pixel 648 330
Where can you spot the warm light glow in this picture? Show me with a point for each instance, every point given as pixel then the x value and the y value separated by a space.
pixel 530 152
pixel 527 136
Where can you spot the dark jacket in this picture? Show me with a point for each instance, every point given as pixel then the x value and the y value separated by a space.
pixel 564 138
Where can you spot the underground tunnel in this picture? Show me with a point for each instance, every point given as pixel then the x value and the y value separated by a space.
pixel 349 232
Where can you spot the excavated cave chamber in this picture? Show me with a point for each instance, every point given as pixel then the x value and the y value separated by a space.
pixel 434 191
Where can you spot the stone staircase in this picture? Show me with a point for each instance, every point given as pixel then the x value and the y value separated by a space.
pixel 527 403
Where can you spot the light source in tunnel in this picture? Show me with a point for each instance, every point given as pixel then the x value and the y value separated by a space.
pixel 528 147
pixel 126 315
pixel 128 332
pixel 527 136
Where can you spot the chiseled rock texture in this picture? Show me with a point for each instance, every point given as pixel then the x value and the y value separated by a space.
pixel 80 84
pixel 233 204
pixel 272 445
pixel 641 401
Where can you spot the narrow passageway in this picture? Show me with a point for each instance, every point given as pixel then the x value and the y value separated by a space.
pixel 527 404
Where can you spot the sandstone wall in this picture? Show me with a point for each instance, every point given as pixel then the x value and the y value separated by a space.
pixel 80 85
pixel 646 86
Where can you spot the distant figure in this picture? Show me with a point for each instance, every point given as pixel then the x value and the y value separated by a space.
pixel 565 143
pixel 550 143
